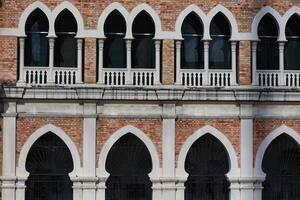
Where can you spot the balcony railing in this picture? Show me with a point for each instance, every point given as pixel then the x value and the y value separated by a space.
pixel 274 78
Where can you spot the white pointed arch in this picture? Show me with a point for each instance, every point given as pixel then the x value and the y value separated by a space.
pixel 101 171
pixel 21 169
pixel 106 12
pixel 149 10
pixel 277 18
pixel 267 141
pixel 190 9
pixel 285 18
pixel 26 13
pixel 70 7
pixel 234 169
pixel 230 17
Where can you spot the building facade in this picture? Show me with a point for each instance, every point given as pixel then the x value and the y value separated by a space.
pixel 156 100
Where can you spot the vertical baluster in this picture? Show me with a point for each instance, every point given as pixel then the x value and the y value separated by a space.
pixel 183 78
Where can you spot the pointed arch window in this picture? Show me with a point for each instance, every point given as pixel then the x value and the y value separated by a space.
pixel 207 164
pixel 114 44
pixel 129 163
pixel 143 45
pixel 49 162
pixel 292 48
pixel 220 47
pixel 281 163
pixel 192 56
pixel 36 41
pixel 65 48
pixel 267 47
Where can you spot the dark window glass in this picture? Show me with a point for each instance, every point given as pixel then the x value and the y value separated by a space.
pixel 36 42
pixel 49 162
pixel 65 48
pixel 129 163
pixel 192 56
pixel 219 46
pixel 207 164
pixel 143 45
pixel 292 47
pixel 281 163
pixel 114 44
pixel 267 47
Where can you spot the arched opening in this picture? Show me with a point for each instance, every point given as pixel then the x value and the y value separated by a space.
pixel 36 41
pixel 292 48
pixel 114 44
pixel 281 163
pixel 192 56
pixel 128 163
pixel 220 48
pixel 65 48
pixel 207 164
pixel 49 162
pixel 267 47
pixel 143 45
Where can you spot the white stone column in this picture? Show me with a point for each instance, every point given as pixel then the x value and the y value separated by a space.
pixel 246 146
pixel 206 63
pixel 180 188
pixel 9 151
pixel 281 63
pixel 100 195
pixel 233 63
pixel 157 62
pixel 254 67
pixel 234 189
pixel 100 61
pixel 21 81
pixel 89 152
pixel 20 188
pixel 79 60
pixel 50 77
pixel 168 148
pixel 128 78
pixel 258 188
pixel 77 188
pixel 178 62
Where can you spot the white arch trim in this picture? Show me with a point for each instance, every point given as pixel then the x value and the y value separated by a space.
pixel 234 169
pixel 190 9
pixel 106 12
pixel 285 18
pixel 230 17
pixel 32 7
pixel 101 171
pixel 70 7
pixel 267 141
pixel 148 9
pixel 278 20
pixel 21 170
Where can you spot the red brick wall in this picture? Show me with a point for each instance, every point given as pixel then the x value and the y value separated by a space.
pixel 107 127
pixel 90 61
pixel 262 127
pixel 244 63
pixel 73 127
pixel 229 127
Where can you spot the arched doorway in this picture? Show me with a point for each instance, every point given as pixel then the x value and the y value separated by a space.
pixel 128 163
pixel 49 162
pixel 281 163
pixel 207 164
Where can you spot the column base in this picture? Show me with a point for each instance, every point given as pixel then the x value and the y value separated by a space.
pixel 21 84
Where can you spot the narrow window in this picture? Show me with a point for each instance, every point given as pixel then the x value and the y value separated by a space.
pixel 65 51
pixel 267 47
pixel 143 47
pixel 219 48
pixel 281 163
pixel 49 162
pixel 129 163
pixel 192 56
pixel 292 48
pixel 207 164
pixel 114 44
pixel 36 42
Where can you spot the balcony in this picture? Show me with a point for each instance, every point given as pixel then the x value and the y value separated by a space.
pixel 276 78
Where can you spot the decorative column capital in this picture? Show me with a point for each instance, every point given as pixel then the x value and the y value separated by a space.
pixel 79 43
pixel 100 43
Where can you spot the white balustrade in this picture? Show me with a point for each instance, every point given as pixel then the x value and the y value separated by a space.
pixel 114 77
pixel 65 75
pixel 36 75
pixel 220 78
pixel 191 77
pixel 267 78
pixel 144 77
pixel 292 79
